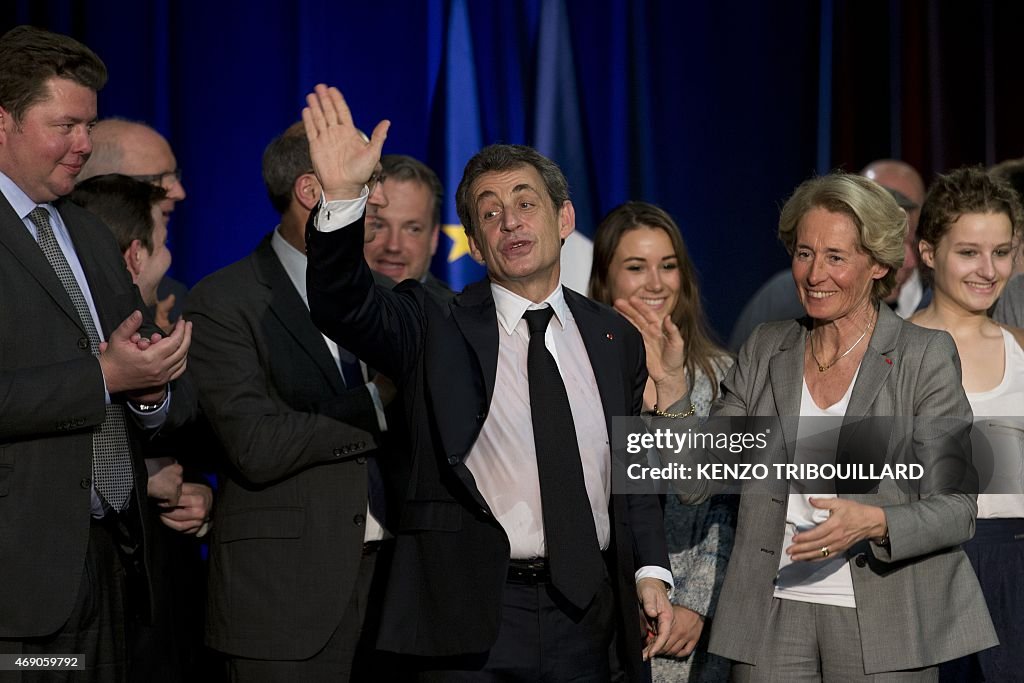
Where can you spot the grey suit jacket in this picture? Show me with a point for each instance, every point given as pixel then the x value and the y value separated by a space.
pixel 290 514
pixel 918 602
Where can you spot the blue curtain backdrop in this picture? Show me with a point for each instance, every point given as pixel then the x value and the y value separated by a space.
pixel 713 110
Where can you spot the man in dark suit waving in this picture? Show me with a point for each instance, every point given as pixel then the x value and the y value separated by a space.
pixel 512 560
pixel 79 385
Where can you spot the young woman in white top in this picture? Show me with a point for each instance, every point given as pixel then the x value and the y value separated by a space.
pixel 968 234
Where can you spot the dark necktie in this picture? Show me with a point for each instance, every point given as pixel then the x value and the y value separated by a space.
pixel 574 554
pixel 112 473
pixel 352 374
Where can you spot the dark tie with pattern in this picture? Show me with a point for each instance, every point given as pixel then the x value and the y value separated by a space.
pixel 574 554
pixel 111 458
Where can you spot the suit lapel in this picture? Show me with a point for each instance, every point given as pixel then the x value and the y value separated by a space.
pixel 474 314
pixel 17 239
pixel 288 307
pixel 103 282
pixel 604 355
pixel 870 446
pixel 786 375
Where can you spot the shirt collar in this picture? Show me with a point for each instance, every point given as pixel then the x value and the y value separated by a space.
pixel 16 197
pixel 293 260
pixel 510 307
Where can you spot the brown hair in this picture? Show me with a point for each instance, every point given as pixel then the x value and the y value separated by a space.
pixel 688 315
pixel 966 190
pixel 30 56
pixel 506 158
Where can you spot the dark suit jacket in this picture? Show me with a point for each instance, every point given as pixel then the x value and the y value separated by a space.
pixel 51 399
pixel 290 515
pixel 451 556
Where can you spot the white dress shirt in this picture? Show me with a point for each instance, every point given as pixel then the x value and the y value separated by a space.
pixel 504 460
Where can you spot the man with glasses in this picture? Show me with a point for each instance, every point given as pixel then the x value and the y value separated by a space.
pixel 165 650
pixel 136 150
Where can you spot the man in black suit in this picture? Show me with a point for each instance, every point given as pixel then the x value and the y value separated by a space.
pixel 80 387
pixel 406 228
pixel 486 584
pixel 293 544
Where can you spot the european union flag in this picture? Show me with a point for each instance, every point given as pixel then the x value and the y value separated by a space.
pixel 455 104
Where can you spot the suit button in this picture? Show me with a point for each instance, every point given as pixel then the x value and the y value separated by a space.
pixel 361 444
pixel 85 483
pixel 359 520
pixel 861 560
pixel 361 460
pixel 83 343
pixel 480 417
pixel 338 453
pixel 453 460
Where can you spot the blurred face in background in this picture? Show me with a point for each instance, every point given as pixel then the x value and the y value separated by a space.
pixel 405 234
pixel 148 266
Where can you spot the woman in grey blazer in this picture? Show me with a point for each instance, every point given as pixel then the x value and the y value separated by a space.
pixel 851 582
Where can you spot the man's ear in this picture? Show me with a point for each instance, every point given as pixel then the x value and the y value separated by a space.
pixel 133 259
pixel 306 191
pixel 474 251
pixel 6 124
pixel 566 220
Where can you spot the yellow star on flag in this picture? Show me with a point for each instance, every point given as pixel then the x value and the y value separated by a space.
pixel 460 243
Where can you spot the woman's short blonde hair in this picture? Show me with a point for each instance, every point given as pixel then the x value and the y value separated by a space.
pixel 881 223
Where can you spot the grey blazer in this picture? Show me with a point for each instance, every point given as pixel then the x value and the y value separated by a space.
pixel 918 601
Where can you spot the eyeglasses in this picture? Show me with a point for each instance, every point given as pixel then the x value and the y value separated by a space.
pixel 377 177
pixel 165 180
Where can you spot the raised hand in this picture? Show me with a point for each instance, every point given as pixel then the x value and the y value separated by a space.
pixel 342 159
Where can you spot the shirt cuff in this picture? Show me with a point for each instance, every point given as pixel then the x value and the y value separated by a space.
pixel 378 406
pixel 340 212
pixel 656 572
pixel 151 419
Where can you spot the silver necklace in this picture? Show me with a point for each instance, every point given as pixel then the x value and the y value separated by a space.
pixel 823 368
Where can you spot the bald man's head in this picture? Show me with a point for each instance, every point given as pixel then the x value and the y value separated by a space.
pixel 135 149
pixel 894 174
pixel 897 175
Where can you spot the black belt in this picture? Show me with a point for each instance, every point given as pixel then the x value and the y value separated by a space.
pixel 529 572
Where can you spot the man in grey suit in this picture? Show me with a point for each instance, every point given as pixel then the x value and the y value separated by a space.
pixel 81 386
pixel 293 545
pixel 407 227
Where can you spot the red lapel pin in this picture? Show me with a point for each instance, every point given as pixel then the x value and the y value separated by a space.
pixel 610 335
